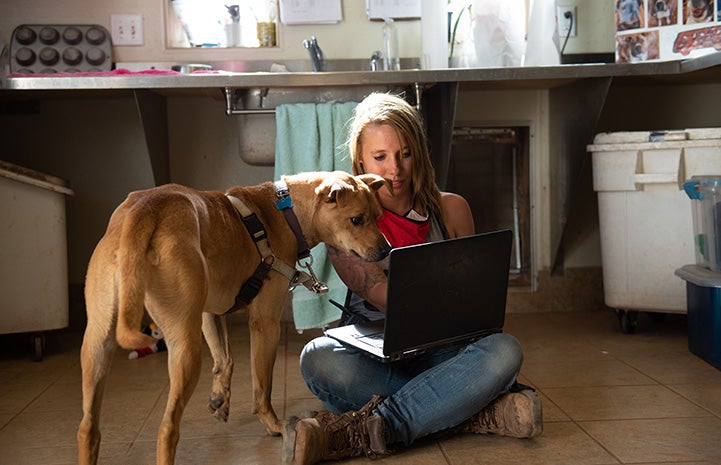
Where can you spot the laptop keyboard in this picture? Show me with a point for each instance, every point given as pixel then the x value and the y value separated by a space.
pixel 374 339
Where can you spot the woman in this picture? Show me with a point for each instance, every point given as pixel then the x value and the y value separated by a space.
pixel 392 404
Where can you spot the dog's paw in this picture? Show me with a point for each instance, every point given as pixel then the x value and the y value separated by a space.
pixel 218 407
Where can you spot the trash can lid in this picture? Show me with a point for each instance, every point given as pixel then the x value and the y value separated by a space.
pixel 35 178
pixel 699 275
pixel 657 136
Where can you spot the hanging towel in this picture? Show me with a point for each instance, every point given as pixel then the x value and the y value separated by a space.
pixel 312 137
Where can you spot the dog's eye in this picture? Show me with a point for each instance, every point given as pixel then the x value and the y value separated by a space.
pixel 357 220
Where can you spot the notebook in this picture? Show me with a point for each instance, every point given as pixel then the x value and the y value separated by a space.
pixel 438 293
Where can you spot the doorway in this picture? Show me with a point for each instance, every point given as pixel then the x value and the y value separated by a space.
pixel 490 167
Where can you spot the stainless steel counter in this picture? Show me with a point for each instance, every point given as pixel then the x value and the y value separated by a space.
pixel 512 77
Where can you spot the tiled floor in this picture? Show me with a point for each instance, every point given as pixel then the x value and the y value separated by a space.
pixel 609 398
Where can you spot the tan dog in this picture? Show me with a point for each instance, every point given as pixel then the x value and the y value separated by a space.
pixel 184 255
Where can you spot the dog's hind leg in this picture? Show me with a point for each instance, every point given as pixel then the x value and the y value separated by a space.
pixel 184 341
pixel 95 358
pixel 215 331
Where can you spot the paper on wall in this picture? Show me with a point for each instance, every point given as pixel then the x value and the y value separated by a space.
pixel 310 11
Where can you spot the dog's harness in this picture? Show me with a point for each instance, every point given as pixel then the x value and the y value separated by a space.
pixel 268 261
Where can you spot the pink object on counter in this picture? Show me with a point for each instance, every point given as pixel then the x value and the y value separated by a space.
pixel 115 72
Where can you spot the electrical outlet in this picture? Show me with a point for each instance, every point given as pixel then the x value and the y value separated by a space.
pixel 567 18
pixel 126 29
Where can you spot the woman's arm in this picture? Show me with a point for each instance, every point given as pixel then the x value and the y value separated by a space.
pixel 457 214
pixel 364 278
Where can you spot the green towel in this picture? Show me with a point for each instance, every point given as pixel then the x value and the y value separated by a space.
pixel 312 137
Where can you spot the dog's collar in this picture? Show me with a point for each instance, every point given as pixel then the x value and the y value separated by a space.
pixel 284 203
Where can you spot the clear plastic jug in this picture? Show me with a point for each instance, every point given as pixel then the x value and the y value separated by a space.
pixel 705 191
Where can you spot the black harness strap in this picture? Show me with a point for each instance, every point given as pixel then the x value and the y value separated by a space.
pixel 254 284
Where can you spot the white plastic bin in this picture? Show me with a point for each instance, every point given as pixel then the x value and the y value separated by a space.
pixel 645 217
pixel 33 251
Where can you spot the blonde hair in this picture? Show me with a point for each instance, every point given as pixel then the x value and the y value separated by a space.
pixel 382 108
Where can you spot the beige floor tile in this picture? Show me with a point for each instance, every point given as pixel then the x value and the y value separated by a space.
pixel 661 440
pixel 622 402
pixel 675 368
pixel 707 396
pixel 608 398
pixel 583 373
pixel 562 443
pixel 31 435
pixel 33 455
pixel 551 411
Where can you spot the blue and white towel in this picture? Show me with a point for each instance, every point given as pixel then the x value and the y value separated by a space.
pixel 312 137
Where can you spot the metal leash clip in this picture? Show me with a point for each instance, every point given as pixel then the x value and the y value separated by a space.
pixel 315 285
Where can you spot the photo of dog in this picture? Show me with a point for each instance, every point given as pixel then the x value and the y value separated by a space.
pixel 630 14
pixel 635 48
pixel 662 12
pixel 698 11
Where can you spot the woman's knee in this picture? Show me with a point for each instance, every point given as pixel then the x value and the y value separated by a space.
pixel 510 347
pixel 316 356
pixel 505 351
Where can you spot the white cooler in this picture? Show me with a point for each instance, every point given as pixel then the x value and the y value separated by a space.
pixel 645 216
pixel 33 253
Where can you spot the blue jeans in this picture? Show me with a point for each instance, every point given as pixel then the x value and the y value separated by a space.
pixel 423 394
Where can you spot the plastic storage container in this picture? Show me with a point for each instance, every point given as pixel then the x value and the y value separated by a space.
pixel 703 291
pixel 645 217
pixel 706 191
pixel 33 253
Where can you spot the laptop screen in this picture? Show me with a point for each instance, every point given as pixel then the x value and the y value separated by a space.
pixel 447 291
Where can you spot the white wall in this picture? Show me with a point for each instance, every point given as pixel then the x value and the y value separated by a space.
pixel 354 37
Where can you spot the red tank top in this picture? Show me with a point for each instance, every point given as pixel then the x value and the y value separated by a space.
pixel 401 231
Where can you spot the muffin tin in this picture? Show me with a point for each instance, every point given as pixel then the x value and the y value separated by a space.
pixel 54 48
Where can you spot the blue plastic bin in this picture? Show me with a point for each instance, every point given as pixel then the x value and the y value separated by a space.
pixel 703 295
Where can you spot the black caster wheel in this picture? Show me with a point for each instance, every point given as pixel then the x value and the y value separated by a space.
pixel 628 321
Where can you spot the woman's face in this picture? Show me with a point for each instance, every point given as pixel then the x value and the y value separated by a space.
pixel 383 152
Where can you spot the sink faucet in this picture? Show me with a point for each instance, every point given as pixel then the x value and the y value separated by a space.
pixel 316 54
pixel 376 58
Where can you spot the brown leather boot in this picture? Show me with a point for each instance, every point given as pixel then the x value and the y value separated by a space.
pixel 329 436
pixel 516 414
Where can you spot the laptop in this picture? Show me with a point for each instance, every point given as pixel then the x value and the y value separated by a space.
pixel 439 293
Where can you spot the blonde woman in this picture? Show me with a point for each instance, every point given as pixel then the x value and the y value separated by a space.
pixel 374 406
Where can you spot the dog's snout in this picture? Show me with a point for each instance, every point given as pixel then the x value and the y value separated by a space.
pixel 661 5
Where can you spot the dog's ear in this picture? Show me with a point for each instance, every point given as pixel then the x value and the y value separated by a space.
pixel 375 182
pixel 333 190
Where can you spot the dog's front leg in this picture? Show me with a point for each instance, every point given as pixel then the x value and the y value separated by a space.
pixel 264 324
pixel 215 332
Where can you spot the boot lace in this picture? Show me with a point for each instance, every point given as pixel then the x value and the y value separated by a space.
pixel 346 434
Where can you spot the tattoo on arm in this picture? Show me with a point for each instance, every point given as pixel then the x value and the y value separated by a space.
pixel 358 275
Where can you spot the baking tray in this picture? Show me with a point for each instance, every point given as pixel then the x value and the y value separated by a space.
pixel 56 48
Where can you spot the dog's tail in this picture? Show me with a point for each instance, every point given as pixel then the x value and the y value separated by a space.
pixel 135 243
